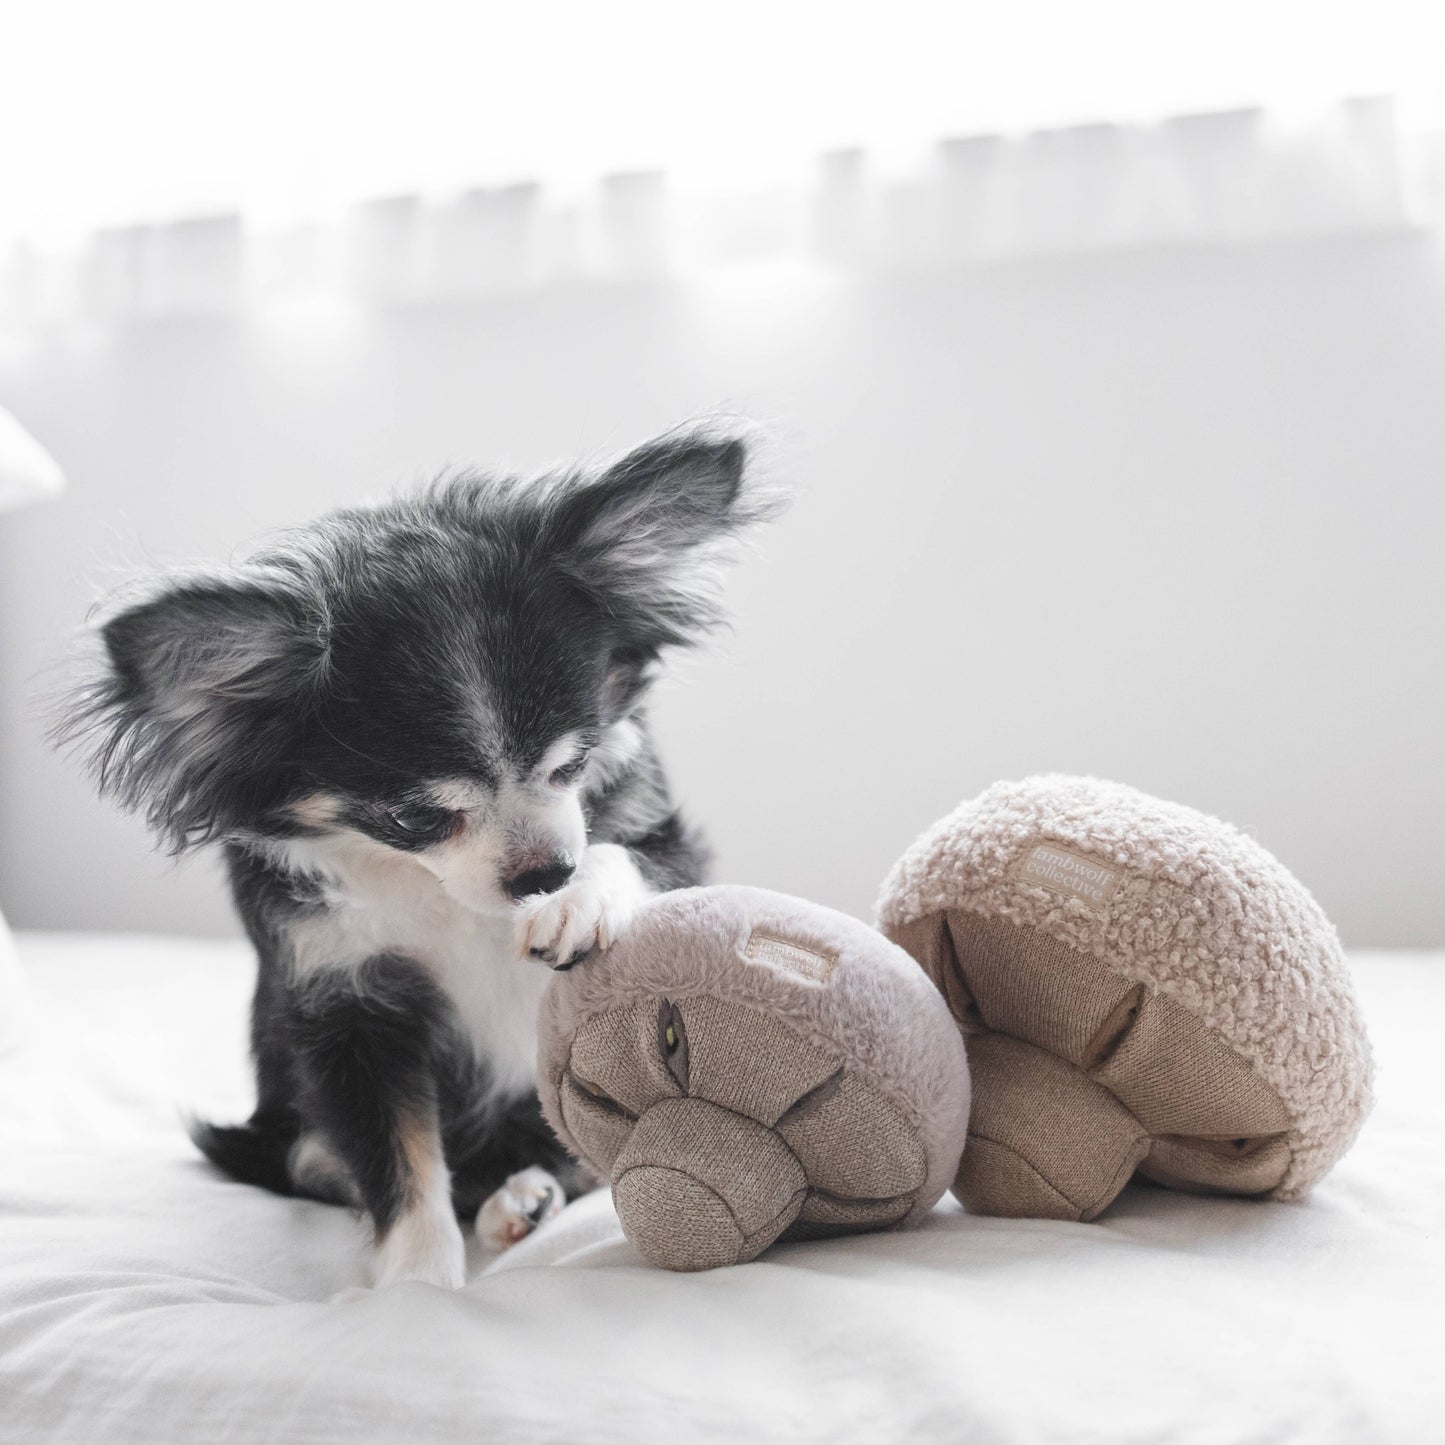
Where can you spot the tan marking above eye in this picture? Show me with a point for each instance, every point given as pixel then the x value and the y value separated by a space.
pixel 315 810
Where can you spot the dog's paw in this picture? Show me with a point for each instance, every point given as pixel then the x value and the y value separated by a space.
pixel 524 1202
pixel 589 913
pixel 559 928
pixel 425 1245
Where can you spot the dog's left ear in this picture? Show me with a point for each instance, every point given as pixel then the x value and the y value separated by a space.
pixel 649 534
pixel 193 702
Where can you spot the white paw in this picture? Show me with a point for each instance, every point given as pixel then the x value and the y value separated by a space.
pixel 590 912
pixel 425 1245
pixel 525 1201
pixel 561 927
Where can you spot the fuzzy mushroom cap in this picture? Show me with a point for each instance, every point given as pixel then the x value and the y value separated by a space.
pixel 744 1066
pixel 1143 986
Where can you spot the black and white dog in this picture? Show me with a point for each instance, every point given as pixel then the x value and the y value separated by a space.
pixel 418 732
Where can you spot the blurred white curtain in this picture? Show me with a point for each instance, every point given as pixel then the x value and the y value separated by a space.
pixel 1224 178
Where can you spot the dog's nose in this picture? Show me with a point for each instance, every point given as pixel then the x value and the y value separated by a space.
pixel 547 878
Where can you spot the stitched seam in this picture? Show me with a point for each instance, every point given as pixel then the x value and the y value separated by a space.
pixel 865 1198
pixel 764 1228
pixel 1053 1189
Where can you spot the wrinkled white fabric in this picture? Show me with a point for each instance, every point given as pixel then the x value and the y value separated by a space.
pixel 143 1298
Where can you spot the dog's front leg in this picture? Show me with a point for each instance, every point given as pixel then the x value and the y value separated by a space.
pixel 365 1044
pixel 591 911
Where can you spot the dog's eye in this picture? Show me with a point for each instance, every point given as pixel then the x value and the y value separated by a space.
pixel 419 821
pixel 568 772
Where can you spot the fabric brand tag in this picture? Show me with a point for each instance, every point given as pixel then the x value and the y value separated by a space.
pixel 793 957
pixel 1075 875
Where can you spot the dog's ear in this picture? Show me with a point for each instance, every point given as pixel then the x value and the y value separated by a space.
pixel 193 702
pixel 677 490
pixel 649 535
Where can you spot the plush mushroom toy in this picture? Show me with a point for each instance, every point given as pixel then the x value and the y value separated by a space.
pixel 1144 990
pixel 746 1067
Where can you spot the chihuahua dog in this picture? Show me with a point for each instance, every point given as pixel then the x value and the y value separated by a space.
pixel 418 732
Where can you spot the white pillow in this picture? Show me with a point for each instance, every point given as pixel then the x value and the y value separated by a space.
pixel 27 471
pixel 14 996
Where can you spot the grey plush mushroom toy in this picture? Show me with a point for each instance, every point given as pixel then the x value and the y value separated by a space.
pixel 746 1067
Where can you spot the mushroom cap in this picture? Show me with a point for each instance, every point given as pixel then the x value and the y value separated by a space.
pixel 744 1066
pixel 1153 958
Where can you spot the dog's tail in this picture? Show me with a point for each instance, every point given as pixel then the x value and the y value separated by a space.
pixel 256 1152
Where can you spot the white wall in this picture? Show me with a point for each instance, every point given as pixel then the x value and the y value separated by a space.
pixel 1173 517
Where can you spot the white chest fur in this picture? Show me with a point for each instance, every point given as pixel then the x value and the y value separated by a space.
pixel 384 902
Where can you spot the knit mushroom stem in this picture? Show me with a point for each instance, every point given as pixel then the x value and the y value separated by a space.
pixel 1050 1141
pixel 698 1186
pixel 1045 1141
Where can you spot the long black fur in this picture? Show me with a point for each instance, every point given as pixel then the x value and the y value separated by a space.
pixel 347 659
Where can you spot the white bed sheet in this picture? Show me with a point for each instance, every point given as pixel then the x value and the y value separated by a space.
pixel 145 1299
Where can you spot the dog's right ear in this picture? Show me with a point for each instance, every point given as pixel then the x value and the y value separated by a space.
pixel 649 535
pixel 195 697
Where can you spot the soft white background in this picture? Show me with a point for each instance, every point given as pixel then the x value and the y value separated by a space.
pixel 1170 513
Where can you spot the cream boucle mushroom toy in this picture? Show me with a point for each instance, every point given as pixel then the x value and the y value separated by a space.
pixel 1144 989
pixel 746 1067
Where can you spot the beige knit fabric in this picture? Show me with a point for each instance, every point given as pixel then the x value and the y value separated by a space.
pixel 697 1185
pixel 1156 990
pixel 744 1066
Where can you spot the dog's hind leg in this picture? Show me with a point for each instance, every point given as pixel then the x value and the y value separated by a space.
pixel 365 1043
pixel 318 1172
